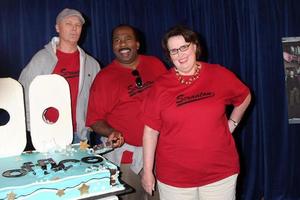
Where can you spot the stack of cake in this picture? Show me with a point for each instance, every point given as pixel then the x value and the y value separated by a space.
pixel 71 173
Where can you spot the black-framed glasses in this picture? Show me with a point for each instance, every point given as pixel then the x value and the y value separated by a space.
pixel 182 49
pixel 138 78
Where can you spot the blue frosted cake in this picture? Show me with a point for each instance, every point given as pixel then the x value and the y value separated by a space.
pixel 71 173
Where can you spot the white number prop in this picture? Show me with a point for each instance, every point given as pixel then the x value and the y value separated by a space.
pixel 50 91
pixel 13 134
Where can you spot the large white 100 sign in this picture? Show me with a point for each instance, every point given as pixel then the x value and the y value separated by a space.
pixel 46 91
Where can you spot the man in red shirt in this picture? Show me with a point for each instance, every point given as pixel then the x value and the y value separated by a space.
pixel 63 56
pixel 115 99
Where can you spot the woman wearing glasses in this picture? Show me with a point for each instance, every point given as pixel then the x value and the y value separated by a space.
pixel 195 153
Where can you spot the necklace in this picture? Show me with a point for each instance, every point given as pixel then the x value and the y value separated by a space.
pixel 191 79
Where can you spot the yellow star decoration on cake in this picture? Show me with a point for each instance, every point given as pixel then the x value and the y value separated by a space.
pixel 60 193
pixel 84 189
pixel 11 196
pixel 84 145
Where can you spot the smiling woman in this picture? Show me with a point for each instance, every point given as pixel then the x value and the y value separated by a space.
pixel 185 61
pixel 197 93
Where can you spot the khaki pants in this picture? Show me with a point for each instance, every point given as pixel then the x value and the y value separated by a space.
pixel 134 181
pixel 220 190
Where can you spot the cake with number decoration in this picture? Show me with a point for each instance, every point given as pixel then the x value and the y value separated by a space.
pixel 75 172
pixel 57 169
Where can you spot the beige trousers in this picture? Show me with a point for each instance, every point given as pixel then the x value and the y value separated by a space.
pixel 224 189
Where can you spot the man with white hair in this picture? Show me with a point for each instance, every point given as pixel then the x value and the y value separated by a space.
pixel 63 56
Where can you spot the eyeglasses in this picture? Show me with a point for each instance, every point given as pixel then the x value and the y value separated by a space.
pixel 182 49
pixel 138 78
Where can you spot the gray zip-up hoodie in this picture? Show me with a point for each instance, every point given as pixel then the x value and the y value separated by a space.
pixel 44 62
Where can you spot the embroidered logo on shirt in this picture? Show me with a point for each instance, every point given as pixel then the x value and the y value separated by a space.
pixel 133 89
pixel 69 74
pixel 183 99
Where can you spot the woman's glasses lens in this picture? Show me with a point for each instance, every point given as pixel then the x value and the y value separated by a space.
pixel 182 49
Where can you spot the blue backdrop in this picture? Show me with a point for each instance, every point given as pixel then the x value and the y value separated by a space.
pixel 243 35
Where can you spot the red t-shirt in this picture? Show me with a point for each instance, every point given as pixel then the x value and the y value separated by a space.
pixel 67 66
pixel 195 146
pixel 114 97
